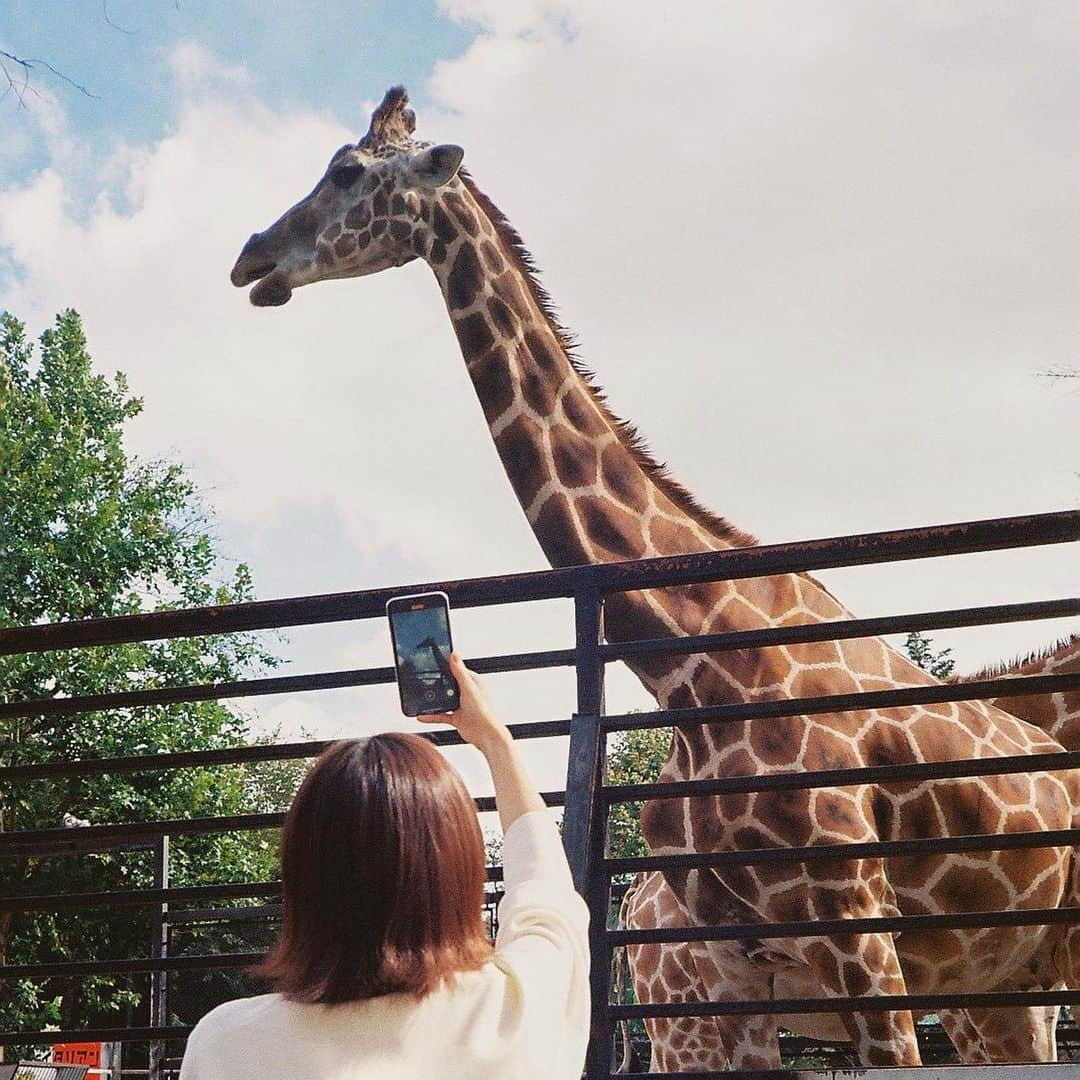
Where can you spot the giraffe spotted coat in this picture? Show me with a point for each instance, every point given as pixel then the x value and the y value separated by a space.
pixel 592 493
pixel 685 971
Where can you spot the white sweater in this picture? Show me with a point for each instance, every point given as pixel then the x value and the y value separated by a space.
pixel 523 1015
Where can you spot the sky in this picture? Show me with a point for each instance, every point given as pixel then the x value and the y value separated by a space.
pixel 818 253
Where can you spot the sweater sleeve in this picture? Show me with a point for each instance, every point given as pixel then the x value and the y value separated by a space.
pixel 542 944
pixel 192 1065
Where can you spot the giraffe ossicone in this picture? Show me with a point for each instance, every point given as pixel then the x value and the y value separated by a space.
pixel 593 493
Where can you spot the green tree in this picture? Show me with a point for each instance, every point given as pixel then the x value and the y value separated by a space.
pixel 635 757
pixel 88 530
pixel 921 651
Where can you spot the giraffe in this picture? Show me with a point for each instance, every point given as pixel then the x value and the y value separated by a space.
pixel 1057 714
pixel 685 971
pixel 592 492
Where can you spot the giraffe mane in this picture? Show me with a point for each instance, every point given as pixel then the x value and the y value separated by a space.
pixel 1003 667
pixel 627 432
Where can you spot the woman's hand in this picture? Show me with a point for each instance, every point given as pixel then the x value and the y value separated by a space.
pixel 515 792
pixel 474 719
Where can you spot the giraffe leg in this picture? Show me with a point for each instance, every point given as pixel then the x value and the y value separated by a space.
pixel 964 1036
pixel 716 971
pixel 861 965
pixel 727 974
pixel 751 1042
pixel 685 1044
pixel 986 1036
pixel 668 973
pixel 846 965
pixel 866 965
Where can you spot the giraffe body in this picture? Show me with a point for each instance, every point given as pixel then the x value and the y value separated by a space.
pixel 1057 714
pixel 682 971
pixel 592 493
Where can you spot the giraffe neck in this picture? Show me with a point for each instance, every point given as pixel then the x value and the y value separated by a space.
pixel 586 493
pixel 1058 714
pixel 588 489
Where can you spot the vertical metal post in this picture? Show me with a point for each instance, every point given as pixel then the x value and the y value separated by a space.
pixel 112 1060
pixel 585 818
pixel 159 950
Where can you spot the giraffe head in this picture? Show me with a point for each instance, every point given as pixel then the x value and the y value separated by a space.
pixel 369 211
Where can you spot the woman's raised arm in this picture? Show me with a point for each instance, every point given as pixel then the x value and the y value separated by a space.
pixel 476 722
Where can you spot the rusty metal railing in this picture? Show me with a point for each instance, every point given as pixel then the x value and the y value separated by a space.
pixel 586 797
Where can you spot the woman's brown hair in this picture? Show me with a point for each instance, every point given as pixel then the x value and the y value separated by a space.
pixel 382 869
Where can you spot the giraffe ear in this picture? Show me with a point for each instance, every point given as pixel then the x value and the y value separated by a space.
pixel 435 166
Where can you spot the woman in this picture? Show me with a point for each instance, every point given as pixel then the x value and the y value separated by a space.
pixel 383 968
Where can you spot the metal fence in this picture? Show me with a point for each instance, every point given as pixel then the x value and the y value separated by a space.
pixel 586 798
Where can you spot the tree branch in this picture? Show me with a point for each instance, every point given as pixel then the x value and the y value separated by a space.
pixel 19 85
pixel 115 26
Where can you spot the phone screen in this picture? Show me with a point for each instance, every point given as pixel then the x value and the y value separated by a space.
pixel 420 628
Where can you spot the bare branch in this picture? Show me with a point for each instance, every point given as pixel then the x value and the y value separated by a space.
pixel 1060 373
pixel 20 86
pixel 115 26
pixel 16 72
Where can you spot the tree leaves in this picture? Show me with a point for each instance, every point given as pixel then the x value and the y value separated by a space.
pixel 87 530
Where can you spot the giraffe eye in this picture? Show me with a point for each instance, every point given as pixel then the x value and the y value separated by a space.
pixel 344 176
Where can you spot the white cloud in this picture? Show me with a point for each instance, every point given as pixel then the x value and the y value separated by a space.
pixel 816 251
pixel 198 69
pixel 35 117
pixel 512 18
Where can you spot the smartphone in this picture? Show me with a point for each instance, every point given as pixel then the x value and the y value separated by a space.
pixel 420 632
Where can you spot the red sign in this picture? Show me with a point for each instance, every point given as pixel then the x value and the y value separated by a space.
pixel 77 1054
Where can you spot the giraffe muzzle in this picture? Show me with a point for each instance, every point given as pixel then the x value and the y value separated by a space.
pixel 273 290
pixel 244 275
pixel 253 262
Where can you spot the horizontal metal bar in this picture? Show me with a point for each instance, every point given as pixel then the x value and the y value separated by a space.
pixel 901 544
pixel 877 774
pixel 139 897
pixel 986 688
pixel 876 849
pixel 72 841
pixel 259 913
pixel 908 924
pixel 82 968
pixel 240 755
pixel 838 629
pixel 173 695
pixel 199 894
pixel 180 1032
pixel 1041 1071
pixel 98 847
pixel 95 1034
pixel 830 703
pixel 288 684
pixel 740 639
pixel 884 1003
pixel 256 913
pixel 134 965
